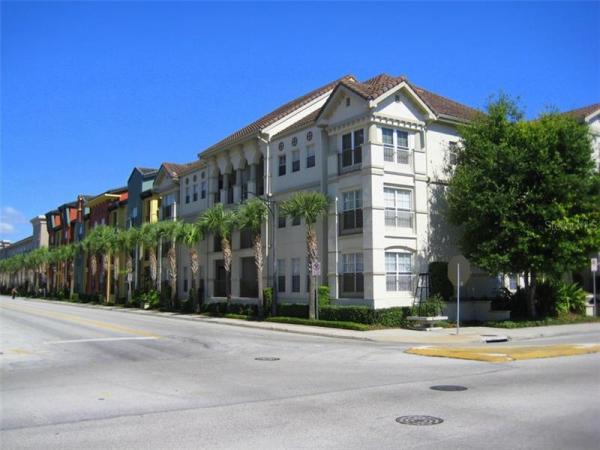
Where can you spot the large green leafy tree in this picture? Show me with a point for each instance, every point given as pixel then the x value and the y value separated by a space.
pixel 525 194
pixel 221 222
pixel 251 217
pixel 309 206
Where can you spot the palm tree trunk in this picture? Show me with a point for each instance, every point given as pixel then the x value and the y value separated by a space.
pixel 153 265
pixel 173 273
pixel 194 266
pixel 258 260
pixel 313 257
pixel 531 287
pixel 159 283
pixel 129 266
pixel 227 265
pixel 72 278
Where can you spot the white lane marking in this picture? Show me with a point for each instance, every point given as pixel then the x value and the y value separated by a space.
pixel 77 341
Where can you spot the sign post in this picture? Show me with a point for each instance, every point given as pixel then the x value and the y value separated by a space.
pixel 594 272
pixel 459 272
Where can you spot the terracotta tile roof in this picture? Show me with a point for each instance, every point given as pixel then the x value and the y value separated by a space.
pixel 582 113
pixel 146 170
pixel 279 113
pixel 444 106
pixel 306 121
pixel 378 85
pixel 175 170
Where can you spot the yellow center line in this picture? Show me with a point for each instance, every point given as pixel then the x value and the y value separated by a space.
pixel 82 321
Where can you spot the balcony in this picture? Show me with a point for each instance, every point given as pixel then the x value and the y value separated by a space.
pixel 350 160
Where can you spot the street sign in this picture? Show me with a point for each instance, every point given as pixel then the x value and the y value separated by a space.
pixel 594 262
pixel 459 272
pixel 316 269
pixel 465 270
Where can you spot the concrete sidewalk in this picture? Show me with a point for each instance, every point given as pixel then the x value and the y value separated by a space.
pixel 446 336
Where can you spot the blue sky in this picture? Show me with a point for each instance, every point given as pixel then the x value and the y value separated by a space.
pixel 90 90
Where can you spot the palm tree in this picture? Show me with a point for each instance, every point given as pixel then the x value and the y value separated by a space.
pixel 127 241
pixel 191 236
pixel 309 206
pixel 66 255
pixel 148 240
pixel 221 223
pixel 101 240
pixel 251 217
pixel 172 231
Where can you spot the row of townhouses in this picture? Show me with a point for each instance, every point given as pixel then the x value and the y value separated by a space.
pixel 380 149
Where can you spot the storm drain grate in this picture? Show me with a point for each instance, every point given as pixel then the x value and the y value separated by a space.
pixel 419 420
pixel 267 358
pixel 448 388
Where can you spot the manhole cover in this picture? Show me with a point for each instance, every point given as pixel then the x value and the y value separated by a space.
pixel 448 388
pixel 267 358
pixel 419 420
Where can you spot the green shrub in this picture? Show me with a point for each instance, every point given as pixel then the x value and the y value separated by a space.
pixel 431 307
pixel 324 299
pixel 556 298
pixel 393 317
pixel 438 280
pixel 319 323
pixel 220 308
pixel 75 297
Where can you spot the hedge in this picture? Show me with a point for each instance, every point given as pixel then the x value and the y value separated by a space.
pixel 389 317
pixel 234 308
pixel 320 323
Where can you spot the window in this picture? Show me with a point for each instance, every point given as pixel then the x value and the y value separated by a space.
pixel 352 148
pixel 398 207
pixel 351 217
pixel 452 153
pixel 398 268
pixel 295 274
pixel 352 273
pixel 310 156
pixel 295 160
pixel 246 238
pixel 395 146
pixel 185 279
pixel 202 175
pixel 168 206
pixel 203 189
pixel 187 194
pixel 195 193
pixel 195 178
pixel 217 244
pixel 281 275
pixel 296 221
pixel 282 165
pixel 281 221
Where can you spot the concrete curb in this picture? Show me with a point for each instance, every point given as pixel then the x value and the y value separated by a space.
pixel 210 320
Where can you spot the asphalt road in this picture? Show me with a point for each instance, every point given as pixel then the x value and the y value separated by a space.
pixel 82 378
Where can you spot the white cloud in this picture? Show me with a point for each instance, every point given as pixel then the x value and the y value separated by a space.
pixel 6 228
pixel 10 218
